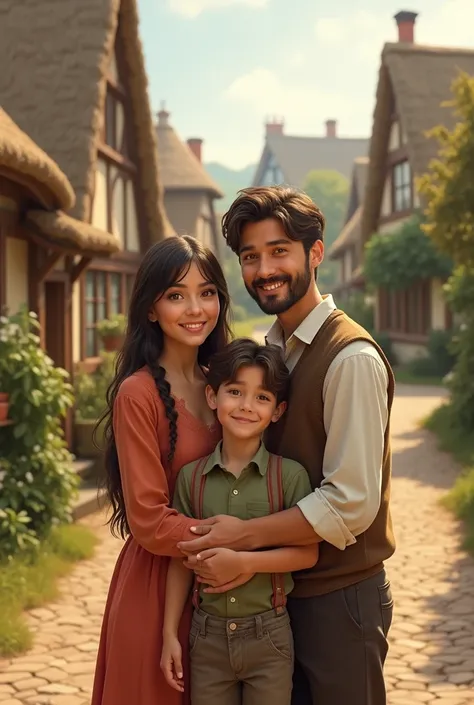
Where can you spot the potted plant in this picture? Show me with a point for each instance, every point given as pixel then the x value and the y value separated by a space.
pixel 3 406
pixel 90 400
pixel 112 330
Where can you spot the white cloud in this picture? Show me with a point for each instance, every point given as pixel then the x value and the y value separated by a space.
pixel 363 33
pixel 303 106
pixel 193 8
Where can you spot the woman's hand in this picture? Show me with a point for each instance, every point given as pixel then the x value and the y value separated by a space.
pixel 172 662
pixel 216 566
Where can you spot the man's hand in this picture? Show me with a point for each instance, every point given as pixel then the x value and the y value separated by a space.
pixel 216 566
pixel 172 662
pixel 222 530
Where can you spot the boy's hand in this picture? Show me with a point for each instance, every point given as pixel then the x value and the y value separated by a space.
pixel 216 566
pixel 172 662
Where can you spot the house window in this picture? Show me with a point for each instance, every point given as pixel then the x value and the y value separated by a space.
pixel 106 293
pixel 408 311
pixel 402 187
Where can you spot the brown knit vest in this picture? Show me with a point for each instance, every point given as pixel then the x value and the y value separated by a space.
pixel 300 435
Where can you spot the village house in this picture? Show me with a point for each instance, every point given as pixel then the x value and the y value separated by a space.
pixel 189 192
pixel 77 87
pixel 346 249
pixel 288 159
pixel 414 84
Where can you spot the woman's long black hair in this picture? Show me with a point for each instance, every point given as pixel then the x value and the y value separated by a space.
pixel 162 266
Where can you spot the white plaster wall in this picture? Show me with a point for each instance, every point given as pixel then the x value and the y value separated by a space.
pixel 438 309
pixel 17 273
pixel 406 352
pixel 386 207
pixel 76 322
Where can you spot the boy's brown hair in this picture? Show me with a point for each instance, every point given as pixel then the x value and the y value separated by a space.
pixel 225 365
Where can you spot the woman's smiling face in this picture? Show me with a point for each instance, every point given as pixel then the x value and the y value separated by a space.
pixel 187 312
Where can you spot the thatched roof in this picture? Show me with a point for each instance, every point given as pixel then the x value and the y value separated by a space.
pixel 54 57
pixel 419 78
pixel 179 168
pixel 71 234
pixel 350 232
pixel 19 154
pixel 297 156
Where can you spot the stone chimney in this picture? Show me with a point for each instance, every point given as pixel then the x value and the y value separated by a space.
pixel 195 145
pixel 331 129
pixel 274 126
pixel 163 115
pixel 406 26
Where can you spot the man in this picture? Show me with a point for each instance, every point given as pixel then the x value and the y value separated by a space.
pixel 337 426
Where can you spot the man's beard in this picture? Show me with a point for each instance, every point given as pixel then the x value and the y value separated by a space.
pixel 273 305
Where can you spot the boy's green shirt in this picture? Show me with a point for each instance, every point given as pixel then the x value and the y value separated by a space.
pixel 244 497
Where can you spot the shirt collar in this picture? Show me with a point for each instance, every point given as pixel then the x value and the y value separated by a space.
pixel 307 329
pixel 260 460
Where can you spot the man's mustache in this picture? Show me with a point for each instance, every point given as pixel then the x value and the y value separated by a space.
pixel 272 280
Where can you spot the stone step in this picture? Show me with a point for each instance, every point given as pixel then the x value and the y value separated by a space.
pixel 83 467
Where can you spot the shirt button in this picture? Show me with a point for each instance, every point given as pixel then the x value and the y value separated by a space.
pixel 235 491
pixel 232 626
pixel 232 599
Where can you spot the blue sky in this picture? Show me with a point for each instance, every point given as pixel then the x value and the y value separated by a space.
pixel 223 66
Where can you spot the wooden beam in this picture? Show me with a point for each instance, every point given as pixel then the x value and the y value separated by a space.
pixel 48 265
pixel 77 269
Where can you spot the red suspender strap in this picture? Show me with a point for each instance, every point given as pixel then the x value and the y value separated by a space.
pixel 277 504
pixel 198 480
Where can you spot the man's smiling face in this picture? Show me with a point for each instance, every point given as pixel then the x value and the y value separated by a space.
pixel 276 271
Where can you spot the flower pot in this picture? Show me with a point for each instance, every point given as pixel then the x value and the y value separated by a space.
pixel 84 446
pixel 112 343
pixel 3 406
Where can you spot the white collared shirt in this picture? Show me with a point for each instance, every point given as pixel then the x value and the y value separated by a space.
pixel 355 398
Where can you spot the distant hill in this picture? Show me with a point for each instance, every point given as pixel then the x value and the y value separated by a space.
pixel 230 181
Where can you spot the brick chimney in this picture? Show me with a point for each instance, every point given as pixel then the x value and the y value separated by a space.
pixel 274 126
pixel 163 115
pixel 195 145
pixel 406 26
pixel 331 129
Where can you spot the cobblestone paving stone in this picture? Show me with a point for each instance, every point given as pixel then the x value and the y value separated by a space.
pixel 431 658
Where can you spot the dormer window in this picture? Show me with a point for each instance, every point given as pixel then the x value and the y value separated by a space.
pixel 402 191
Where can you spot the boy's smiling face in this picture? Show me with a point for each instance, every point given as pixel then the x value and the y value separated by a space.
pixel 244 407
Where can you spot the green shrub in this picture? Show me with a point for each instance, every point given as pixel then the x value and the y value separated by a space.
pixel 386 344
pixel 37 481
pixel 90 389
pixel 440 356
pixel 360 309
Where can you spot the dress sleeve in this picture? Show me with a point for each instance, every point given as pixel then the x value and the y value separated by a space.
pixel 153 523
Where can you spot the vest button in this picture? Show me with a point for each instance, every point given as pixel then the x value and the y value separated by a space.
pixel 235 491
pixel 232 599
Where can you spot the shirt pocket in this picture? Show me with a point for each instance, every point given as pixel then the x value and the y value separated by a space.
pixel 257 509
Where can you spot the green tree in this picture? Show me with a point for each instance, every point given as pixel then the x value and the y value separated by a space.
pixel 449 189
pixel 329 190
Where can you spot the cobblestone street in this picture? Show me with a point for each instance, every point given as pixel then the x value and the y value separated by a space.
pixel 432 638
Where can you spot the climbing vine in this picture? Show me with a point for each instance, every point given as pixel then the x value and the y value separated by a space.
pixel 399 259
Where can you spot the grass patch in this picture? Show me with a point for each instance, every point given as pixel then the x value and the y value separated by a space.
pixel 460 499
pixel 404 376
pixel 244 329
pixel 31 581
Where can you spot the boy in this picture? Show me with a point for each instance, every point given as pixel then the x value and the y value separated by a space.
pixel 241 646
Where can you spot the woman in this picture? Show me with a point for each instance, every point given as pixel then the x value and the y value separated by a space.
pixel 157 421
